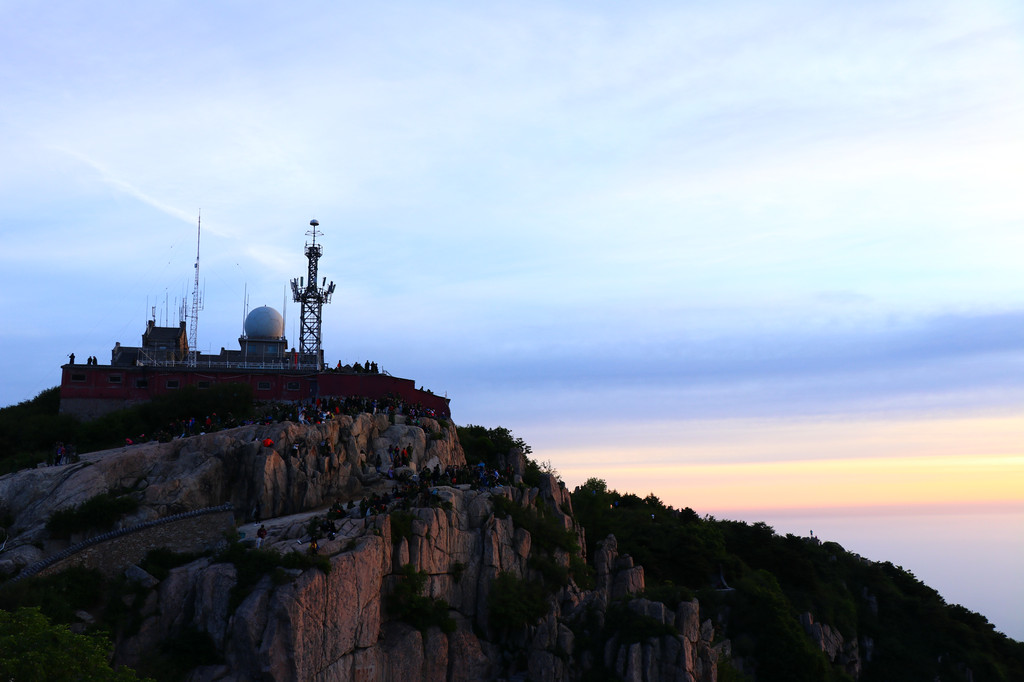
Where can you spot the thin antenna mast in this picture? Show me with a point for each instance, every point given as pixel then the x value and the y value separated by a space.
pixel 193 323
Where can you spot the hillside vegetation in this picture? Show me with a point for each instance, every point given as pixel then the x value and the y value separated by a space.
pixel 911 632
pixel 33 428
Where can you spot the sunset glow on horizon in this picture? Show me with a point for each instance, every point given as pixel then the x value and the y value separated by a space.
pixel 901 464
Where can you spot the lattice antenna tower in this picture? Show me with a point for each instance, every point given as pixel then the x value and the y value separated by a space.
pixel 197 304
pixel 312 297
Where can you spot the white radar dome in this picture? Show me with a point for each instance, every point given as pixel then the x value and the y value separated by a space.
pixel 264 323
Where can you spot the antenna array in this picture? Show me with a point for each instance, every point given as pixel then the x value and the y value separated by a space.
pixel 312 297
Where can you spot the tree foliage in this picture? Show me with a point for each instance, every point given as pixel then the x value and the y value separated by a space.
pixel 773 579
pixel 31 648
pixel 33 427
pixel 489 445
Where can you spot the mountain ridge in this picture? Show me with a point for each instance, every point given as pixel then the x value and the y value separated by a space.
pixel 457 580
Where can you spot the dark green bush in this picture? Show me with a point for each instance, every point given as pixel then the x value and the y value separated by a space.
pixel 33 427
pixel 31 430
pixel 98 513
pixel 408 604
pixel 401 525
pixel 159 562
pixel 59 595
pixel 490 446
pixel 669 593
pixel 182 652
pixel 633 627
pixel 515 603
pixel 546 530
pixel 31 648
pixel 252 564
pixel 553 574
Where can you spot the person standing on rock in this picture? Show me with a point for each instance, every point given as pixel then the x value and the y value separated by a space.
pixel 261 535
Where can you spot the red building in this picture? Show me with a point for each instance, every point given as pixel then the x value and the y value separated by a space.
pixel 88 391
pixel 264 362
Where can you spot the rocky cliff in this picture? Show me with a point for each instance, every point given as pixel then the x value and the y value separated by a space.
pixel 304 467
pixel 346 619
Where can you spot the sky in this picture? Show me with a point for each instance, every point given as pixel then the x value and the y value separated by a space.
pixel 761 259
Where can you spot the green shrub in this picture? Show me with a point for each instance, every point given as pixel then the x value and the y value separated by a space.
pixel 159 562
pixel 182 652
pixel 553 574
pixel 303 561
pixel 31 648
pixel 669 593
pixel 401 525
pixel 31 430
pixel 98 513
pixel 515 603
pixel 727 672
pixel 313 528
pixel 582 573
pixel 33 427
pixel 252 564
pixel 532 473
pixel 408 604
pixel 489 446
pixel 58 595
pixel 546 530
pixel 633 627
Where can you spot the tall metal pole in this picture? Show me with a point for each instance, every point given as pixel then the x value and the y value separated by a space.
pixel 193 322
pixel 312 297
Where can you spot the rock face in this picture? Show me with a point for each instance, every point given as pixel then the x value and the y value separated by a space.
pixel 337 626
pixel 831 642
pixel 341 625
pixel 306 467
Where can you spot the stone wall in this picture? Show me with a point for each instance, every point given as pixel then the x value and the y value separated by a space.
pixel 195 532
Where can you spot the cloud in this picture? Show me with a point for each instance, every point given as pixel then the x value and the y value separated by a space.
pixel 644 371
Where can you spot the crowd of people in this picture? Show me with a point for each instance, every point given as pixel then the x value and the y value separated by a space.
pixel 420 490
pixel 367 368
pixel 408 490
pixel 63 454
pixel 318 411
pixel 324 409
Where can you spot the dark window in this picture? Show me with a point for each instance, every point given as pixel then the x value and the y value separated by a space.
pixel 114 378
pixel 263 386
pixel 204 384
pixel 78 377
pixel 172 383
pixel 292 386
pixel 142 383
